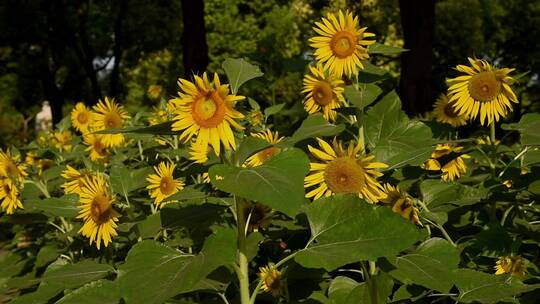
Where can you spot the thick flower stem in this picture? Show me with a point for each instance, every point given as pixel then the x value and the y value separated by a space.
pixel 492 133
pixel 243 272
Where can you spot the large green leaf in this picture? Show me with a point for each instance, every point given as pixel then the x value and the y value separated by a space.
pixel 363 96
pixel 97 292
pixel 344 290
pixel 394 138
pixel 346 229
pixel 249 146
pixel 313 126
pixel 124 179
pixel 239 71
pixel 444 196
pixel 278 183
pixel 378 48
pixel 529 129
pixel 65 206
pixel 372 73
pixel 154 272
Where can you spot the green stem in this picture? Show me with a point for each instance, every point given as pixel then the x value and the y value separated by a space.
pixel 492 133
pixel 243 274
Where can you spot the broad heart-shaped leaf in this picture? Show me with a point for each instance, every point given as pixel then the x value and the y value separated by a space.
pixel 529 129
pixel 445 196
pixel 159 129
pixel 344 290
pixel 154 272
pixel 65 206
pixel 378 48
pixel 124 179
pixel 100 291
pixel 480 287
pixel 346 229
pixel 363 96
pixel 313 126
pixel 278 183
pixel 430 265
pixel 239 71
pixel 393 138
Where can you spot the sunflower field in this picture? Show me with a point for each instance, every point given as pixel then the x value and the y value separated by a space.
pixel 202 201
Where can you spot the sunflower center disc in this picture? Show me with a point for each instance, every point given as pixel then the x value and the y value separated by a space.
pixel 100 209
pixel 345 175
pixel 206 108
pixel 484 86
pixel 166 185
pixel 112 120
pixel 343 44
pixel 82 117
pixel 322 93
pixel 449 111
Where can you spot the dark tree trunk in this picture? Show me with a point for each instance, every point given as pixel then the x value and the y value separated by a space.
pixel 50 90
pixel 195 49
pixel 418 22
pixel 118 41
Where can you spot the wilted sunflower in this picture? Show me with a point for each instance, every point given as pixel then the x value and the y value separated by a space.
pixel 260 216
pixel 110 115
pixel 271 280
pixel 61 140
pixel 206 110
pixel 448 159
pixel 482 90
pixel 9 195
pixel 97 211
pixel 344 171
pixel 341 46
pixel 163 184
pixel 81 117
pixel 401 203
pixel 74 180
pixel 444 112
pixel 96 146
pixel 260 157
pixel 11 167
pixel 324 92
pixel 510 264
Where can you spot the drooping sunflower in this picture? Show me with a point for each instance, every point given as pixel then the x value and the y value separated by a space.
pixel 342 44
pixel 271 280
pixel 444 112
pixel 483 91
pixel 81 118
pixel 96 209
pixel 163 184
pixel 448 159
pixel 344 171
pixel 260 157
pixel 61 140
pixel 206 110
pixel 324 92
pixel 510 264
pixel 11 167
pixel 96 146
pixel 260 216
pixel 401 203
pixel 74 180
pixel 9 195
pixel 110 115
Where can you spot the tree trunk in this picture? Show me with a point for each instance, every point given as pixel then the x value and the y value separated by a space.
pixel 118 40
pixel 418 22
pixel 195 49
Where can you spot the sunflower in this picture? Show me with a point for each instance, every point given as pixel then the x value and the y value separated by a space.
pixel 255 118
pixel 341 46
pixel 198 152
pixel 97 211
pixel 96 146
pixel 486 141
pixel 260 157
pixel 74 180
pixel 510 264
pixel 154 91
pixel 9 195
pixel 81 117
pixel 344 171
pixel 448 159
pixel 163 184
pixel 482 90
pixel 61 140
pixel 444 112
pixel 401 203
pixel 271 280
pixel 206 110
pixel 110 115
pixel 11 167
pixel 324 92
pixel 260 216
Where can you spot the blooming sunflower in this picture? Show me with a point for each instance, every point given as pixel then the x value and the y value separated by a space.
pixel 96 146
pixel 260 157
pixel 206 110
pixel 341 46
pixel 271 280
pixel 448 159
pixel 324 92
pixel 61 140
pixel 9 195
pixel 109 115
pixel 482 90
pixel 11 167
pixel 444 112
pixel 97 211
pixel 163 184
pixel 401 203
pixel 81 117
pixel 74 180
pixel 510 264
pixel 344 171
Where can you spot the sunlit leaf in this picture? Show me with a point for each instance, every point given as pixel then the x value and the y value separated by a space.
pixel 240 71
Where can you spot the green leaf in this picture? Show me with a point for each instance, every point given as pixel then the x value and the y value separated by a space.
pixel 46 255
pixel 372 73
pixel 252 244
pixel 239 71
pixel 254 105
pixel 100 291
pixel 249 146
pixel 65 206
pixel 125 179
pixel 393 138
pixel 363 97
pixel 445 196
pixel 278 183
pixel 273 109
pixel 150 226
pixel 346 229
pixel 344 290
pixel 313 126
pixel 153 272
pixel 378 48
pixel 531 158
pixel 378 289
pixel 52 173
pixel 528 127
pixel 159 129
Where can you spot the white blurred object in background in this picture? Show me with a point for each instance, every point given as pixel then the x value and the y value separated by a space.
pixel 44 118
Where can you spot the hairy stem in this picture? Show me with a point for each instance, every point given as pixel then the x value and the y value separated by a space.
pixel 243 274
